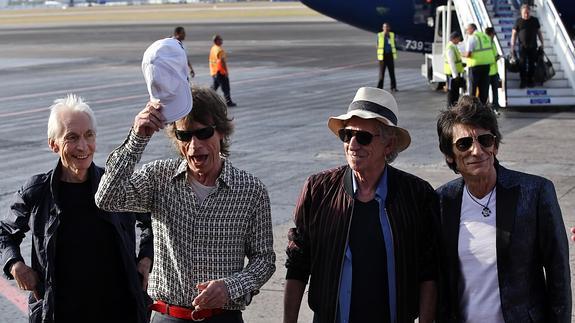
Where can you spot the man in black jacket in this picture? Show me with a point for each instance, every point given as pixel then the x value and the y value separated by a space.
pixel 83 266
pixel 363 234
pixel 526 29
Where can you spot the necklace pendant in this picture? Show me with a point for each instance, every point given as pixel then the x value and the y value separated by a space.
pixel 486 212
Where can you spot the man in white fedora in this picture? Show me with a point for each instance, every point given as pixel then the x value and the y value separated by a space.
pixel 363 233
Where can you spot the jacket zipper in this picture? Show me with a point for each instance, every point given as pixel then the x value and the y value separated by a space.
pixel 342 261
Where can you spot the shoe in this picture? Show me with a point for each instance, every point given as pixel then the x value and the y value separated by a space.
pixel 522 85
pixel 231 104
pixel 394 90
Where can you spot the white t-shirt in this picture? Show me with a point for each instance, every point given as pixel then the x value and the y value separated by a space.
pixel 480 301
pixel 201 190
pixel 471 43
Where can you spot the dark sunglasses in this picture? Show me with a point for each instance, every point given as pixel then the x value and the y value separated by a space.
pixel 202 134
pixel 363 137
pixel 486 140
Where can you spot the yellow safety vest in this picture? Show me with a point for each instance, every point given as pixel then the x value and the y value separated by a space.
pixel 381 43
pixel 483 52
pixel 458 62
pixel 493 66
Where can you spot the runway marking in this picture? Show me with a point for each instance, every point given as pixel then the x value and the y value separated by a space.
pixel 14 295
pixel 88 88
pixel 29 111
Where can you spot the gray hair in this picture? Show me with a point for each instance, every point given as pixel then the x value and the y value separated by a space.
pixel 388 133
pixel 72 103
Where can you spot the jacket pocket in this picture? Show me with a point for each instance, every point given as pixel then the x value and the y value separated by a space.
pixel 536 314
pixel 35 309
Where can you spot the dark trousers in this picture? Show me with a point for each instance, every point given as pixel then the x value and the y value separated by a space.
pixel 494 82
pixel 227 317
pixel 224 82
pixel 527 59
pixel 387 63
pixel 479 81
pixel 453 86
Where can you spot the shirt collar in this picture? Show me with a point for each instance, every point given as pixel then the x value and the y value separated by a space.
pixel 226 176
pixel 381 190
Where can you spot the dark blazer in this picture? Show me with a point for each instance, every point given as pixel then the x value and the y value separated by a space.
pixel 34 208
pixel 530 239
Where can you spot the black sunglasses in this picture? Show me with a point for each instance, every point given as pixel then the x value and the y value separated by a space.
pixel 202 134
pixel 486 140
pixel 363 137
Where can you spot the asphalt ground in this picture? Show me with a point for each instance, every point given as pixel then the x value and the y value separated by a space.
pixel 288 75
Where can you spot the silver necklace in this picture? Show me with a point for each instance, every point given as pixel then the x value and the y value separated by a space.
pixel 486 211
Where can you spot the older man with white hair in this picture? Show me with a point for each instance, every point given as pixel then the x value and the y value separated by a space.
pixel 363 234
pixel 83 266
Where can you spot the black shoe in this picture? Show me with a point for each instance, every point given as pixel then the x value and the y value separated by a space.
pixel 394 90
pixel 231 104
pixel 522 85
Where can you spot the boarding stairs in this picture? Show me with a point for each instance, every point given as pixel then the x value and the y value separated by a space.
pixel 560 90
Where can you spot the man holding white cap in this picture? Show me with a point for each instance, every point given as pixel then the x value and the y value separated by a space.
pixel 363 234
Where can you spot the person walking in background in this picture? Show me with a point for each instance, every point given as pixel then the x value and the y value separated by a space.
pixel 363 233
pixel 386 55
pixel 493 72
pixel 83 266
pixel 180 35
pixel 453 67
pixel 526 29
pixel 504 254
pixel 219 69
pixel 479 54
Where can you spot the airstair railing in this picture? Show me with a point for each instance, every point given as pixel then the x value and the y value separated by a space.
pixel 560 40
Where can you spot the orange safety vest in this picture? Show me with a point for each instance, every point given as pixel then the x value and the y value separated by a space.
pixel 217 53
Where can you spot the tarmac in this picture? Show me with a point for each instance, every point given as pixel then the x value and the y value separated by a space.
pixel 288 75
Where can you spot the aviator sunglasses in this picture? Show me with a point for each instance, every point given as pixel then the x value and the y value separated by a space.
pixel 486 140
pixel 201 134
pixel 363 137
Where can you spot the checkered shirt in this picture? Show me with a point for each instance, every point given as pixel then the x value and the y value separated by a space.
pixel 194 243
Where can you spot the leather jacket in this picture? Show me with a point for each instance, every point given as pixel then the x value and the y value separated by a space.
pixel 323 216
pixel 34 208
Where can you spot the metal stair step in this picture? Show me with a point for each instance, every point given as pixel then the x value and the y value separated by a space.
pixel 541 101
pixel 553 83
pixel 540 91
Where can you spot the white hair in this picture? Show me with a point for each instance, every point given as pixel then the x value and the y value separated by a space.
pixel 73 103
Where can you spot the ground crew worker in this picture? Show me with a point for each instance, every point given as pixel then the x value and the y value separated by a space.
pixel 453 68
pixel 386 55
pixel 180 35
pixel 479 56
pixel 493 72
pixel 219 69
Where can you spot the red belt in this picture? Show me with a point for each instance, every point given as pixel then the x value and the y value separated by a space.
pixel 184 312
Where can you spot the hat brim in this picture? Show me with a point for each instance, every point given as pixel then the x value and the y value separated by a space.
pixel 336 123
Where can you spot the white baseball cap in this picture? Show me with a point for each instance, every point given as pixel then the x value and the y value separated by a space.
pixel 165 68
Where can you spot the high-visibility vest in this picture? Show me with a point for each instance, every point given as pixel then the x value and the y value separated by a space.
pixel 483 52
pixel 493 66
pixel 458 62
pixel 216 55
pixel 381 43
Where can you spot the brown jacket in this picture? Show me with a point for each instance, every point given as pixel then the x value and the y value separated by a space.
pixel 323 215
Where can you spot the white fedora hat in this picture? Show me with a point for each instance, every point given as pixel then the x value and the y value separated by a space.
pixel 373 103
pixel 165 68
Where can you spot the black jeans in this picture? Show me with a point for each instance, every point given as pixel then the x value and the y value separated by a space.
pixel 479 81
pixel 494 82
pixel 527 59
pixel 227 317
pixel 387 63
pixel 453 90
pixel 224 82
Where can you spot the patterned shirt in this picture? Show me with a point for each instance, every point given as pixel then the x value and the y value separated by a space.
pixel 194 242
